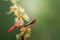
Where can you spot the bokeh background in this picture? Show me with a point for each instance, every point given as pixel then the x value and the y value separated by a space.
pixel 47 13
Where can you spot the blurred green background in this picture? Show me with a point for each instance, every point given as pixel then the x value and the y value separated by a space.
pixel 47 13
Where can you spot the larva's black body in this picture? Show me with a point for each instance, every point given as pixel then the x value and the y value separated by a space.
pixel 30 23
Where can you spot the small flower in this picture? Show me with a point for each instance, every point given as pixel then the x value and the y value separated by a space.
pixel 18 15
pixel 23 29
pixel 29 30
pixel 22 10
pixel 14 8
pixel 25 16
pixel 21 22
pixel 18 36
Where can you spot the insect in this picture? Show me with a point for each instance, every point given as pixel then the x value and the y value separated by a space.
pixel 26 25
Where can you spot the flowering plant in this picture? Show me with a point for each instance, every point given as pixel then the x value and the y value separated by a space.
pixel 20 13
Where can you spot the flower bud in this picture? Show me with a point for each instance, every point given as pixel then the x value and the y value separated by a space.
pixel 22 10
pixel 25 16
pixel 21 22
pixel 14 8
